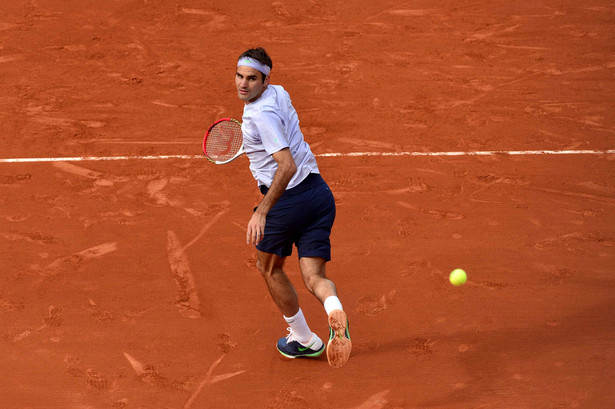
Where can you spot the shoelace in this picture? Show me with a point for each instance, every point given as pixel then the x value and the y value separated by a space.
pixel 290 337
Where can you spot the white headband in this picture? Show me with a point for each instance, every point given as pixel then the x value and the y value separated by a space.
pixel 251 62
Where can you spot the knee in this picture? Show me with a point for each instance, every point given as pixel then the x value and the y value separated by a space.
pixel 311 282
pixel 267 269
pixel 260 266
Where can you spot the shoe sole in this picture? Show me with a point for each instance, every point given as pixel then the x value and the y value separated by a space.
pixel 339 346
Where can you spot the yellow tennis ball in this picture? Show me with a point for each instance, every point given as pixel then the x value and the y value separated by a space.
pixel 458 277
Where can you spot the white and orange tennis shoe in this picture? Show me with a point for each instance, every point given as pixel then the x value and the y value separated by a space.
pixel 340 345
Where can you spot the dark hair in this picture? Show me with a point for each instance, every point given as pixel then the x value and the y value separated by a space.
pixel 259 54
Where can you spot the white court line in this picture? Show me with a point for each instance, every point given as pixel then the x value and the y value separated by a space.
pixel 473 153
pixel 322 155
pixel 99 158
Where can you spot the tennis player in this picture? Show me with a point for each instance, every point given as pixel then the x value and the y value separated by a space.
pixel 297 208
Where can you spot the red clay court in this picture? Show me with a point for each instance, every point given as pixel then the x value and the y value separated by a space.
pixel 128 284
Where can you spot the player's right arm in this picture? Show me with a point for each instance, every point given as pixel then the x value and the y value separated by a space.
pixel 284 173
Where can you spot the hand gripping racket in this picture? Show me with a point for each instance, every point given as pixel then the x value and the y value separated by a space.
pixel 223 141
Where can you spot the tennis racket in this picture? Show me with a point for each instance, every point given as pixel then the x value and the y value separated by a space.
pixel 223 141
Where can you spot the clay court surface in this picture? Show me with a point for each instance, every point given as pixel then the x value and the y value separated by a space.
pixel 128 283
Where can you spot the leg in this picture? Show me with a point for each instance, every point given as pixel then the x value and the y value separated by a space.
pixel 301 341
pixel 313 271
pixel 280 287
pixel 315 279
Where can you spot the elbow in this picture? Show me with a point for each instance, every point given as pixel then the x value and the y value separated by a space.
pixel 292 168
pixel 289 167
pixel 286 163
pixel 289 170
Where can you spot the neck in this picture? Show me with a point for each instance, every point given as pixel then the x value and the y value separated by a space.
pixel 256 98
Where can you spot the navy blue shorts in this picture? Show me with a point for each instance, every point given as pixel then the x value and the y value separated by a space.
pixel 302 216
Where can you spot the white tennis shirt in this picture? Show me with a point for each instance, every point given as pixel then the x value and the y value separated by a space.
pixel 269 125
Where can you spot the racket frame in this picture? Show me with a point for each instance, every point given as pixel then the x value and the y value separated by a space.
pixel 240 152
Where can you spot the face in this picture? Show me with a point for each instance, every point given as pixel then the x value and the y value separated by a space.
pixel 249 83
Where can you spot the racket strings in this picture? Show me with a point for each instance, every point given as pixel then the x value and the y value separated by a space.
pixel 224 141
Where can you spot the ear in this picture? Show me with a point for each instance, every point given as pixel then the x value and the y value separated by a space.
pixel 266 82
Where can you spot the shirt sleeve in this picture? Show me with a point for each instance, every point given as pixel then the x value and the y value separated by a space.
pixel 271 130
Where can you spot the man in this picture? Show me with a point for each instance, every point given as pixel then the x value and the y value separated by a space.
pixel 297 208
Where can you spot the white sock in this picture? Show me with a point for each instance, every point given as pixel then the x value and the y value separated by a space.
pixel 332 303
pixel 299 327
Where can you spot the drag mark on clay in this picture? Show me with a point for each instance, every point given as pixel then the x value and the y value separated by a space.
pixel 77 259
pixel 489 196
pixel 486 34
pixel 187 298
pixel 575 242
pixel 377 401
pixel 77 170
pixel 440 214
pixel 52 320
pixel 137 366
pixel 608 200
pixel 98 313
pixel 84 172
pixel 225 208
pixel 149 374
pixel 210 380
pixel 32 237
pixel 18 218
pixel 154 190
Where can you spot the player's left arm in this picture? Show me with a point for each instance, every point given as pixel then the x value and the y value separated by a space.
pixel 284 173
